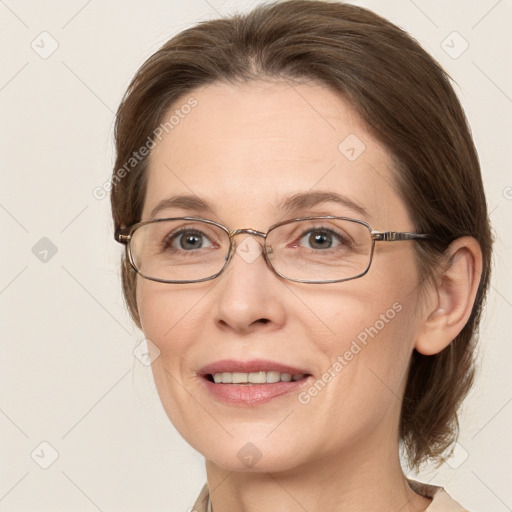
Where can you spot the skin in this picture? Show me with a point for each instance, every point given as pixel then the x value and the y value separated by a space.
pixel 244 148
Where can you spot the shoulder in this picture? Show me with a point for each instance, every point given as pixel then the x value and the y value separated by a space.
pixel 441 500
pixel 203 501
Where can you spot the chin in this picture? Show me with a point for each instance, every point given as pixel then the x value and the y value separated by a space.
pixel 249 459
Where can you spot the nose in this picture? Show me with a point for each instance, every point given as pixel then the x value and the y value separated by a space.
pixel 249 296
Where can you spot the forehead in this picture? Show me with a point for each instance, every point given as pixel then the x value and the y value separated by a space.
pixel 243 148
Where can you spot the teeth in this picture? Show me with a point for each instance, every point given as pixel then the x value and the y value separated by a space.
pixel 257 377
pixel 273 376
pixel 240 378
pixel 254 377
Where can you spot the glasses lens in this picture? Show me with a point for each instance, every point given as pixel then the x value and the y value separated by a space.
pixel 320 249
pixel 179 250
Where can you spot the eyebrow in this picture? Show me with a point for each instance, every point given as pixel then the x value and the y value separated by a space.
pixel 295 202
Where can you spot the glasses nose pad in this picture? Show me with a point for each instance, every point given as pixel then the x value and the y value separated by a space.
pixel 269 254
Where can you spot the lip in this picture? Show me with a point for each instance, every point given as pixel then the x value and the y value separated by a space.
pixel 254 365
pixel 254 394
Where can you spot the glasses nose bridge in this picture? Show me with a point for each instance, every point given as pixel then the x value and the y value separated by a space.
pixel 249 231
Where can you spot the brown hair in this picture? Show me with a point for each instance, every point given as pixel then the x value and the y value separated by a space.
pixel 408 104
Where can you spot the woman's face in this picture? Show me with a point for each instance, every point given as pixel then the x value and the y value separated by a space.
pixel 244 150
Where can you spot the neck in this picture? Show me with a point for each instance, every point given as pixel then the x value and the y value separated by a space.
pixel 349 481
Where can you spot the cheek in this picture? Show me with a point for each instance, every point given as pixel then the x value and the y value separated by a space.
pixel 371 332
pixel 171 318
pixel 364 374
pixel 371 339
pixel 359 312
pixel 169 315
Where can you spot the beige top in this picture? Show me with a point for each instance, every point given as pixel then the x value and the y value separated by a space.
pixel 441 501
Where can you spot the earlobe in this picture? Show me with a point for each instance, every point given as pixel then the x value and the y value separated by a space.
pixel 451 297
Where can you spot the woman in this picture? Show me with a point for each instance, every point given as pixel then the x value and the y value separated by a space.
pixel 308 250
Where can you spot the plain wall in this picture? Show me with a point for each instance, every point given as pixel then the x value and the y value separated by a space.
pixel 68 374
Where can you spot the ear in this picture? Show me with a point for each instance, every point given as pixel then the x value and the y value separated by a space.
pixel 450 300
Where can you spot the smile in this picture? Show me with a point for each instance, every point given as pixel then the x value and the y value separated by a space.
pixel 261 377
pixel 252 383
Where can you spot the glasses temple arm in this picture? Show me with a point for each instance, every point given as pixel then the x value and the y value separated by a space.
pixel 120 236
pixel 392 236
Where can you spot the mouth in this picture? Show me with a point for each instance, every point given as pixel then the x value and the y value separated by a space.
pixel 252 378
pixel 251 383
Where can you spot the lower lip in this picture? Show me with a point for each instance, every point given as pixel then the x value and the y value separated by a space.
pixel 253 394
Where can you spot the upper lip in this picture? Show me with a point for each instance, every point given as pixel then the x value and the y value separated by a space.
pixel 254 365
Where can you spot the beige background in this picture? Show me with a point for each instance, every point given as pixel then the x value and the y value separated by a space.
pixel 68 374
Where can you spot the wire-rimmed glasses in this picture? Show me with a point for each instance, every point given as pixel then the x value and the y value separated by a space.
pixel 321 249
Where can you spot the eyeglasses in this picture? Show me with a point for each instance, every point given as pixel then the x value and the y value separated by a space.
pixel 323 249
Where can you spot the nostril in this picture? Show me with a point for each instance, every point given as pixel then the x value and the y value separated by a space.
pixel 263 320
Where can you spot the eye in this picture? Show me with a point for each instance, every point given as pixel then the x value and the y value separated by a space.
pixel 187 240
pixel 319 239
